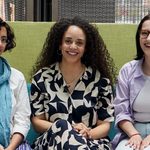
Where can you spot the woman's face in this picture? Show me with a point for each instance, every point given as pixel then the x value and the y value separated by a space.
pixel 3 39
pixel 73 44
pixel 145 38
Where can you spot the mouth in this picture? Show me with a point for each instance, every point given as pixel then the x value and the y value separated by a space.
pixel 72 53
pixel 147 45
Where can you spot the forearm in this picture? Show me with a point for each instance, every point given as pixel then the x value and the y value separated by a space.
pixel 100 131
pixel 41 125
pixel 15 141
pixel 127 127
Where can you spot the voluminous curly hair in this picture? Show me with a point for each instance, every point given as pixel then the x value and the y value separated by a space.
pixel 10 35
pixel 96 54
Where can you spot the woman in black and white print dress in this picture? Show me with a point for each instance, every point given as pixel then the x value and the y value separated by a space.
pixel 71 94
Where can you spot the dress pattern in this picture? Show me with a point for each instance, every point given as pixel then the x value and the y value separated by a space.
pixel 90 100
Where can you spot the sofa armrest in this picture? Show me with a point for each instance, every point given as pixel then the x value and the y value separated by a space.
pixel 32 134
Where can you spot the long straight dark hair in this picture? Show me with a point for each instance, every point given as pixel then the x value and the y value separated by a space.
pixel 139 50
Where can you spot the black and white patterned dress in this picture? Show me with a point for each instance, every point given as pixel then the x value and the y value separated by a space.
pixel 91 99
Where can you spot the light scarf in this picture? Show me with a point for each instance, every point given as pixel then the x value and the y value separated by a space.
pixel 5 102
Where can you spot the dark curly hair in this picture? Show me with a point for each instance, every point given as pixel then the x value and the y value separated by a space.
pixel 96 54
pixel 139 51
pixel 10 35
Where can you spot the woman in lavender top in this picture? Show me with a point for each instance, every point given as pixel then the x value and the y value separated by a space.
pixel 132 99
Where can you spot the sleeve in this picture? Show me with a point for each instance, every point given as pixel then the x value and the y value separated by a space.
pixel 36 96
pixel 105 106
pixel 21 118
pixel 122 99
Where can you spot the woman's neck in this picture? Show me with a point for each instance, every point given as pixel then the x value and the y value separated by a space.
pixel 70 68
pixel 71 72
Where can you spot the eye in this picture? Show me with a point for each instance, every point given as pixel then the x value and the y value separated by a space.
pixel 4 40
pixel 144 34
pixel 67 41
pixel 80 43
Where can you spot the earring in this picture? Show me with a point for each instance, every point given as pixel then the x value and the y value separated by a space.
pixel 59 52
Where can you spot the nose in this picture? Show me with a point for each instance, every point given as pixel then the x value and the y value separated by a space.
pixel 1 42
pixel 73 46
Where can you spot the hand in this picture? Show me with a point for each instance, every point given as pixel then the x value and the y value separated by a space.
pixel 82 129
pixel 1 147
pixel 135 142
pixel 145 143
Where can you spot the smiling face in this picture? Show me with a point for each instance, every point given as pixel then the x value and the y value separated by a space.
pixel 3 39
pixel 73 44
pixel 145 38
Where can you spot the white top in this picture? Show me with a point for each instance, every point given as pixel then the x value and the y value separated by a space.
pixel 20 117
pixel 141 106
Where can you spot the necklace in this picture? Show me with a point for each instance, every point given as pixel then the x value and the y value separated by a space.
pixel 72 83
pixel 75 78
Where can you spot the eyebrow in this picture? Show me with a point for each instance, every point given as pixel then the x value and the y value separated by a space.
pixel 77 39
pixel 145 30
pixel 4 36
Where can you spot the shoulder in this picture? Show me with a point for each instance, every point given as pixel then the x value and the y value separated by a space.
pixel 41 71
pixel 16 75
pixel 101 78
pixel 46 70
pixel 97 76
pixel 17 79
pixel 129 67
pixel 103 81
pixel 131 64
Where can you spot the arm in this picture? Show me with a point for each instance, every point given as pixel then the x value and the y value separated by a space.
pixel 105 110
pixel 21 110
pixel 37 99
pixel 122 99
pixel 123 108
pixel 16 140
pixel 40 124
pixel 100 131
pixel 21 118
pixel 135 138
pixel 127 127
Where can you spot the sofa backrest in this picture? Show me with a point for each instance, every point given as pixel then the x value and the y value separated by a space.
pixel 30 37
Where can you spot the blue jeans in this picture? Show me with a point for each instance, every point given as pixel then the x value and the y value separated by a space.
pixel 144 130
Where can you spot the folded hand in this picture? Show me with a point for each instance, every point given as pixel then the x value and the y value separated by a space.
pixel 82 129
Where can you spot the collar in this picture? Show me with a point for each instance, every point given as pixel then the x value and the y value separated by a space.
pixel 138 69
pixel 59 77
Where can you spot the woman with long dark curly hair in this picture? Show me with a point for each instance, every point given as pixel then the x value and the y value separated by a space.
pixel 71 90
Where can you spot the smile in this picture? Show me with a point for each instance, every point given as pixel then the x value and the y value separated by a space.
pixel 73 53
